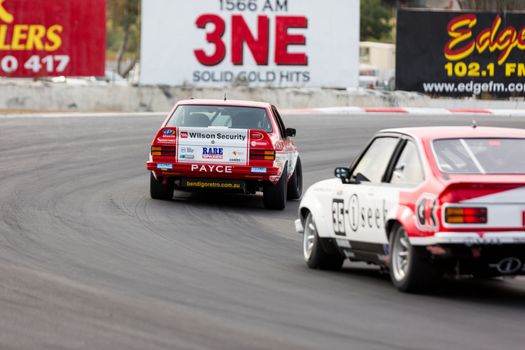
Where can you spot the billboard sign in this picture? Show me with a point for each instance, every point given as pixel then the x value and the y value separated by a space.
pixel 300 43
pixel 461 53
pixel 52 38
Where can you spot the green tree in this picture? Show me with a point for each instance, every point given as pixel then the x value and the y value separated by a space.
pixel 124 32
pixel 375 21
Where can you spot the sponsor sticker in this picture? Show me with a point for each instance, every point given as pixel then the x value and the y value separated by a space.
pixel 212 184
pixel 508 266
pixel 187 150
pixel 212 153
pixel 164 140
pixel 259 170
pixel 187 156
pixel 209 168
pixel 164 166
pixel 426 212
pixel 212 145
pixel 237 157
pixel 168 132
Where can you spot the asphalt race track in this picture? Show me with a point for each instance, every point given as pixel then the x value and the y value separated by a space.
pixel 89 261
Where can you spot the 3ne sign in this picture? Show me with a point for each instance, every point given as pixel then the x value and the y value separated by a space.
pixel 52 37
pixel 259 46
pixel 250 42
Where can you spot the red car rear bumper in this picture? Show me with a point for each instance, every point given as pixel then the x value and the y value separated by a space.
pixel 219 171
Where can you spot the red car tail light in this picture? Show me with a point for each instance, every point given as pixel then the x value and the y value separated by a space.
pixel 463 215
pixel 260 139
pixel 262 154
pixel 163 151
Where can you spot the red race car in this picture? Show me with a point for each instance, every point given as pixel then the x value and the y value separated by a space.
pixel 226 145
pixel 423 203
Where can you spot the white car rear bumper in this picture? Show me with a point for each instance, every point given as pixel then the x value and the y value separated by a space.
pixel 470 238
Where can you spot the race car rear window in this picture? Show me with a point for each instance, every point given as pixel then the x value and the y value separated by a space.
pixel 480 155
pixel 222 116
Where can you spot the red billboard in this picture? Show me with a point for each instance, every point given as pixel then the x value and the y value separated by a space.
pixel 52 38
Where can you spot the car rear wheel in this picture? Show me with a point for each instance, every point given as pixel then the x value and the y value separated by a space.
pixel 295 185
pixel 410 271
pixel 319 253
pixel 274 196
pixel 158 190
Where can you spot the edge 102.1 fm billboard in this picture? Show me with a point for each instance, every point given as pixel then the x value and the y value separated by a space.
pixel 461 53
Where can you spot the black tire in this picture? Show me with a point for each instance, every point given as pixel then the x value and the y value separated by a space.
pixel 274 196
pixel 295 185
pixel 410 271
pixel 319 253
pixel 158 190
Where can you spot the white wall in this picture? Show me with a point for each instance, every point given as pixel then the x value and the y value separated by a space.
pixel 45 97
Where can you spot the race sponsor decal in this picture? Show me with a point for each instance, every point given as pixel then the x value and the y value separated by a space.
pixel 259 170
pixel 426 212
pixel 237 156
pixel 187 153
pixel 509 266
pixel 208 168
pixel 361 213
pixel 166 140
pixel 213 184
pixel 213 153
pixel 461 53
pixel 52 38
pixel 213 145
pixel 168 133
pixel 164 166
pixel 358 215
pixel 255 143
pixel 188 149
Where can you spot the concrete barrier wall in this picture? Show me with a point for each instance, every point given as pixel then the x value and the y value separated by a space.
pixel 43 96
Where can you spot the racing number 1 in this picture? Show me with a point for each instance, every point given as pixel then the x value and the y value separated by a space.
pixel 338 216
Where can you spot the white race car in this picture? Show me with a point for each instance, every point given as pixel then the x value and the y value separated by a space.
pixel 423 202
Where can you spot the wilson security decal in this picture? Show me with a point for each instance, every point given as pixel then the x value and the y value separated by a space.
pixel 212 145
